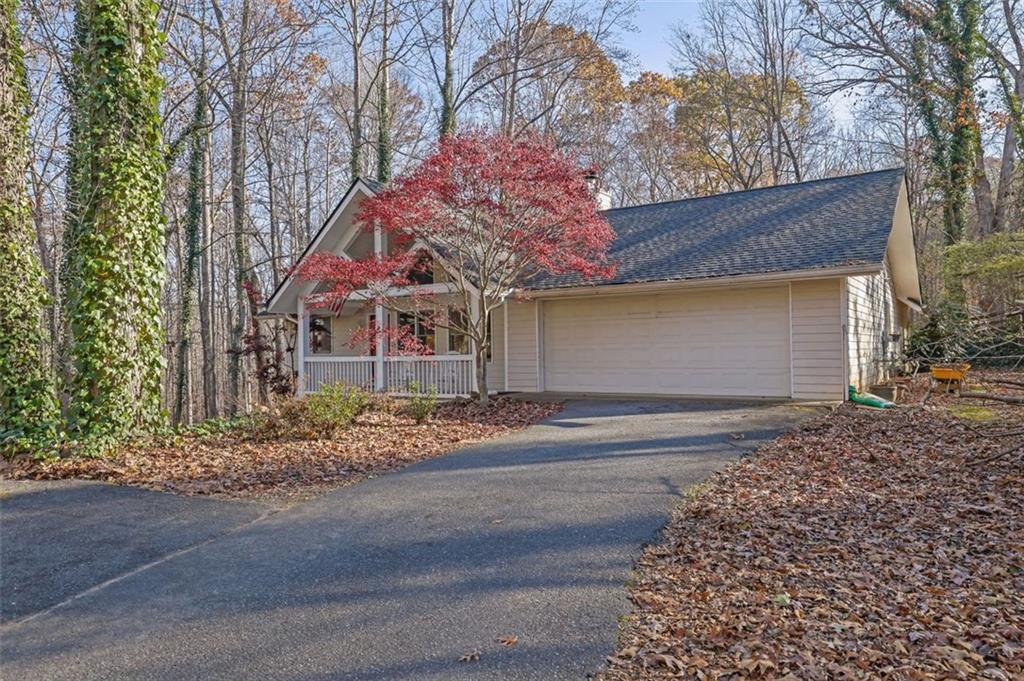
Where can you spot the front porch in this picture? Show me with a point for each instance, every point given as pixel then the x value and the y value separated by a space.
pixel 353 341
pixel 450 375
pixel 335 347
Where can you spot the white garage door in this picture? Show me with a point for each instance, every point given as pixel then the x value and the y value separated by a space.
pixel 722 343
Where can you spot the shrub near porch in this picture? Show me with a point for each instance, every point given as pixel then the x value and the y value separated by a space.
pixel 331 439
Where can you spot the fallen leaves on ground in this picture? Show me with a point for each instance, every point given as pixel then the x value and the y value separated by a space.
pixel 509 640
pixel 237 465
pixel 471 656
pixel 866 544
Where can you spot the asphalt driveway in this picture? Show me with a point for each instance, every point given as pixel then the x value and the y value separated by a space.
pixel 531 536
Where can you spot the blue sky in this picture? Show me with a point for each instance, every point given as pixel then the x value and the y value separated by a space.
pixel 649 44
pixel 654 21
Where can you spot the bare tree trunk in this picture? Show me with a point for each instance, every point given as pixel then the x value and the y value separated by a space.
pixel 242 260
pixel 1005 190
pixel 983 195
pixel 448 84
pixel 266 135
pixel 307 187
pixel 237 114
pixel 481 377
pixel 50 265
pixel 245 275
pixel 481 347
pixel 356 159
pixel 207 303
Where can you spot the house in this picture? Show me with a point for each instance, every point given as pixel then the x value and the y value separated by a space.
pixel 792 291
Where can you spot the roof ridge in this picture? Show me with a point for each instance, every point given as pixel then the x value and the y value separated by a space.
pixel 901 169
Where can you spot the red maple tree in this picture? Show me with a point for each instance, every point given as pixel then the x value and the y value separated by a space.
pixel 494 213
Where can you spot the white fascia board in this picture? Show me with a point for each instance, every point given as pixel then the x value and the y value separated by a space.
pixel 709 282
pixel 314 245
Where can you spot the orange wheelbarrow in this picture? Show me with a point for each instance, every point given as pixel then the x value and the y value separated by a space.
pixel 950 375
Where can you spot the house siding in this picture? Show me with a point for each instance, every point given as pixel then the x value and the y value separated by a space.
pixel 496 367
pixel 871 319
pixel 342 331
pixel 816 318
pixel 522 346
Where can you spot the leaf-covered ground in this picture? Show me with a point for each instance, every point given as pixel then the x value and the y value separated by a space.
pixel 243 465
pixel 867 544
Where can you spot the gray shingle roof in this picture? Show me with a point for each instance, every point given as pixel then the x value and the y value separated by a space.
pixel 808 225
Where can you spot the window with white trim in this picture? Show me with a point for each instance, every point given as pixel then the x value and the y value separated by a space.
pixel 458 342
pixel 319 334
pixel 424 332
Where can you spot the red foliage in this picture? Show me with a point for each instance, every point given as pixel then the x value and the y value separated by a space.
pixel 521 201
pixel 342 277
pixel 399 340
pixel 500 210
pixel 271 373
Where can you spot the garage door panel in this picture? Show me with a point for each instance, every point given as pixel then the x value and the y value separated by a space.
pixel 729 343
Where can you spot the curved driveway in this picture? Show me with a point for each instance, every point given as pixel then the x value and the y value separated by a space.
pixel 531 535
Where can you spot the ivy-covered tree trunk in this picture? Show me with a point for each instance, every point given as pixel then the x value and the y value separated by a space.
pixel 384 105
pixel 193 237
pixel 953 27
pixel 949 42
pixel 68 274
pixel 28 408
pixel 119 172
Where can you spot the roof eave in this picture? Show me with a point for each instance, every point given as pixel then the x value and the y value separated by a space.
pixel 704 282
pixel 289 281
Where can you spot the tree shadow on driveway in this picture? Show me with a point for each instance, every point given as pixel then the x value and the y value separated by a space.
pixel 532 535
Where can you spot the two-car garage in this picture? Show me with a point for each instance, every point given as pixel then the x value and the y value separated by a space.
pixel 725 342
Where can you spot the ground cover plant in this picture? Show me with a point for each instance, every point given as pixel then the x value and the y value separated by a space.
pixel 866 544
pixel 326 440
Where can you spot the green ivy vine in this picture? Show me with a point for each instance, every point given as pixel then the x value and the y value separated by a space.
pixel 28 407
pixel 118 260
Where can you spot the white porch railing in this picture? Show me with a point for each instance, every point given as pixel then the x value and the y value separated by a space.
pixel 321 371
pixel 451 375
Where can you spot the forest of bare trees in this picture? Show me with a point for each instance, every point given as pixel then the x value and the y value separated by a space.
pixel 269 108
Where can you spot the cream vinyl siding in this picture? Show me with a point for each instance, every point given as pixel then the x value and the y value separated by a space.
pixel 817 332
pixel 342 331
pixel 496 367
pixel 871 321
pixel 728 342
pixel 522 346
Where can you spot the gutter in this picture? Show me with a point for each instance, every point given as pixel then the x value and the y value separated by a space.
pixel 264 314
pixel 705 282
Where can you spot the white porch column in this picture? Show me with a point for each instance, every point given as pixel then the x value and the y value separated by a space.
pixel 379 377
pixel 300 351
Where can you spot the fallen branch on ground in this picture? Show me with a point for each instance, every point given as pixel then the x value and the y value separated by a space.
pixel 1004 381
pixel 1009 399
pixel 1008 385
pixel 997 455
